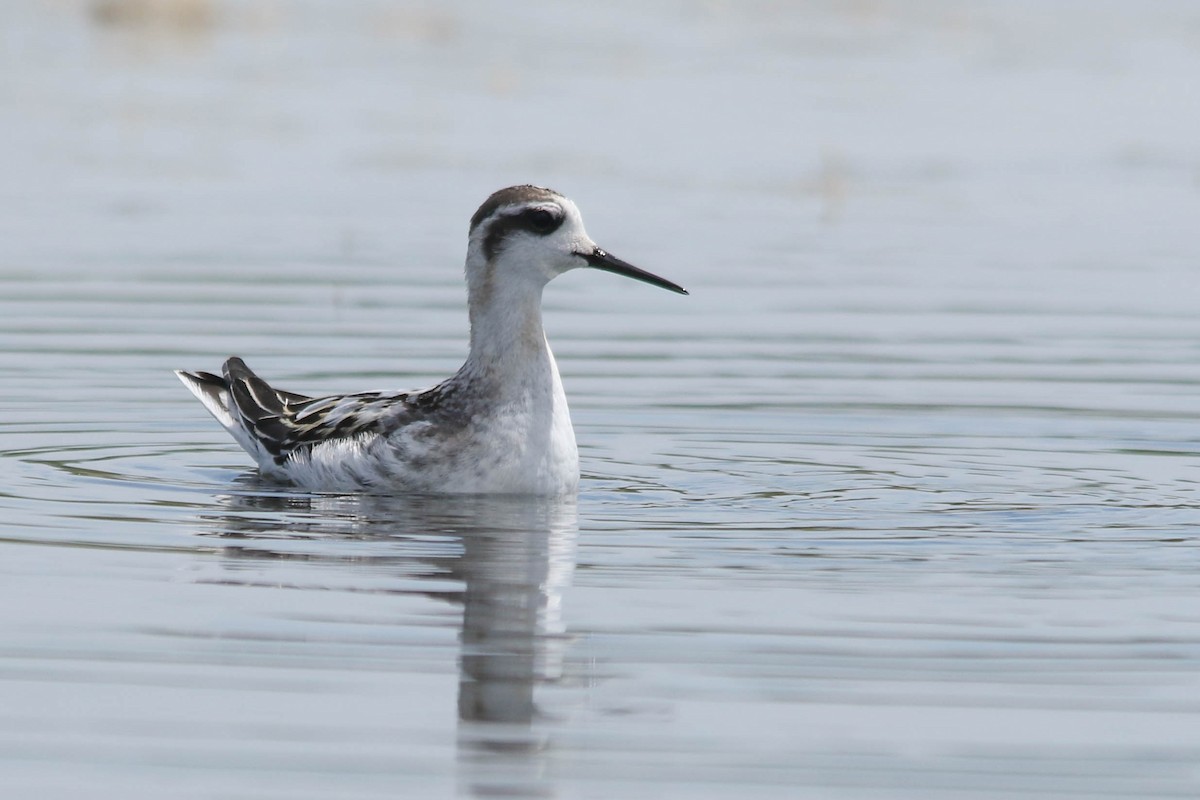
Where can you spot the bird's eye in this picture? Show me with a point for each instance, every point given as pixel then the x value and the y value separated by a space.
pixel 542 221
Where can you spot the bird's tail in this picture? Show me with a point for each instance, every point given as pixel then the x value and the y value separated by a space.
pixel 213 391
pixel 223 396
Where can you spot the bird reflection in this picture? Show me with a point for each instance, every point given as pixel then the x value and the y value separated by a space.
pixel 513 633
pixel 513 557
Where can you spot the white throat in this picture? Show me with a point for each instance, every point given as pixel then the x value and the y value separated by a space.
pixel 507 338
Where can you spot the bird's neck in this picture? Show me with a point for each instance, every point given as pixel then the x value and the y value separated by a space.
pixel 507 339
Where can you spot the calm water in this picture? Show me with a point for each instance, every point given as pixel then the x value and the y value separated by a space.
pixel 903 501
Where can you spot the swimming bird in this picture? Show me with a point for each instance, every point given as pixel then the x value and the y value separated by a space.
pixel 498 425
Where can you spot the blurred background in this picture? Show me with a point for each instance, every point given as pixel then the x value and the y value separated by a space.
pixel 900 502
pixel 143 130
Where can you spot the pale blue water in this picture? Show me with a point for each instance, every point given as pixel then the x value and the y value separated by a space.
pixel 902 501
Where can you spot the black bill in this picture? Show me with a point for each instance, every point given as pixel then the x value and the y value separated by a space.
pixel 601 259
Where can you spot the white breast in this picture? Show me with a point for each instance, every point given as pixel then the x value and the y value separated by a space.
pixel 521 442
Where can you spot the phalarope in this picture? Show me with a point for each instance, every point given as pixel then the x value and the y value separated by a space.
pixel 498 425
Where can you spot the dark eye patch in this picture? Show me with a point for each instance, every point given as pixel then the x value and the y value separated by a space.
pixel 539 221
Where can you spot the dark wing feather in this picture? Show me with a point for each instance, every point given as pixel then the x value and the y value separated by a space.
pixel 285 421
pixel 261 408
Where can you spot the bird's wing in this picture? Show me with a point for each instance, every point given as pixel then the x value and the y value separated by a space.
pixel 282 422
